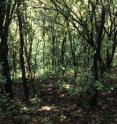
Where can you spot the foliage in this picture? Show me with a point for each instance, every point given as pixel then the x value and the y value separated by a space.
pixel 16 109
pixel 69 43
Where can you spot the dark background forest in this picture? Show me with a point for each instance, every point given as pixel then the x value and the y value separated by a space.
pixel 58 61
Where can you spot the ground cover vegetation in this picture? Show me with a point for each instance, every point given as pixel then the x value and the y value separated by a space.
pixel 58 61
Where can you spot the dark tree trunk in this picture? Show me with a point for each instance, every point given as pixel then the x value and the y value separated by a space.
pixel 63 54
pixel 96 76
pixel 22 63
pixel 14 61
pixel 97 55
pixel 5 64
pixel 53 52
pixel 73 55
pixel 110 56
pixel 28 54
pixel 5 19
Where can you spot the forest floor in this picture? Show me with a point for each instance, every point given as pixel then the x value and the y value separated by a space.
pixel 61 108
pixel 58 107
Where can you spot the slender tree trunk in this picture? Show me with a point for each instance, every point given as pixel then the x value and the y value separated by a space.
pixel 6 11
pixel 110 57
pixel 5 64
pixel 96 77
pixel 22 63
pixel 73 50
pixel 97 55
pixel 53 53
pixel 63 54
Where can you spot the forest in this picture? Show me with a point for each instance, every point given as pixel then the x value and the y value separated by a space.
pixel 58 61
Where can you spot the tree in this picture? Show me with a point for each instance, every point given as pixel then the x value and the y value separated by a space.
pixel 90 23
pixel 22 63
pixel 6 9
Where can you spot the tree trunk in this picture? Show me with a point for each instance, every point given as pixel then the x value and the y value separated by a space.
pixel 63 54
pixel 5 64
pixel 6 11
pixel 22 63
pixel 96 76
pixel 110 56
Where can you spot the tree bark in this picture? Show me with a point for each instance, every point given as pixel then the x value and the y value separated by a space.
pixel 6 11
pixel 22 62
pixel 5 64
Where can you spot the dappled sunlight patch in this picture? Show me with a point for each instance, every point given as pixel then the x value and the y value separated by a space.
pixel 62 117
pixel 62 95
pixel 67 86
pixel 46 108
pixel 35 100
pixel 25 109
